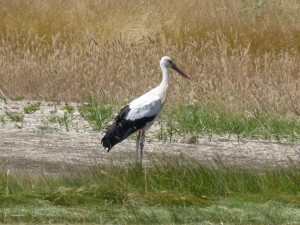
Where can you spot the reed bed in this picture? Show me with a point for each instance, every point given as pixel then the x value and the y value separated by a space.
pixel 241 55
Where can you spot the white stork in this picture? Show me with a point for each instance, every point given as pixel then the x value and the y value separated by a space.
pixel 140 114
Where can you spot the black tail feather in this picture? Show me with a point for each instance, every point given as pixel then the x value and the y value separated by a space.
pixel 123 128
pixel 117 133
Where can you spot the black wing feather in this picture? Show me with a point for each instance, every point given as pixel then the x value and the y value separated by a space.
pixel 122 128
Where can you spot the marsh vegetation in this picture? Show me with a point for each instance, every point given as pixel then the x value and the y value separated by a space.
pixel 243 60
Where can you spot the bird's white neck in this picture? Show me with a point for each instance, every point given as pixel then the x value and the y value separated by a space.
pixel 163 87
pixel 165 75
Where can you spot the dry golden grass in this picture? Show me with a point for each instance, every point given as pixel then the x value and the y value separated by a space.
pixel 243 55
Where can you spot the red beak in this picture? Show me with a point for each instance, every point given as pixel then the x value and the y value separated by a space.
pixel 179 71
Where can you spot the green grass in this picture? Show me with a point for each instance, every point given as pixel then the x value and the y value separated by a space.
pixel 65 120
pixel 31 108
pixel 170 190
pixel 195 119
pixel 2 120
pixel 69 108
pixel 46 126
pixel 213 120
pixel 15 116
pixel 97 115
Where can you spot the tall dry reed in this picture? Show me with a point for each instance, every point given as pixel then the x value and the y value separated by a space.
pixel 243 55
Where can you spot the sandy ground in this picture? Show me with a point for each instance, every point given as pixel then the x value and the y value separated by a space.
pixel 37 145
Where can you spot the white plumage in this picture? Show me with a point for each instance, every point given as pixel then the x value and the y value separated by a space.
pixel 140 114
pixel 145 106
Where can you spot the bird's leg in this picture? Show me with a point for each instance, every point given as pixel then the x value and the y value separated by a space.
pixel 142 139
pixel 138 146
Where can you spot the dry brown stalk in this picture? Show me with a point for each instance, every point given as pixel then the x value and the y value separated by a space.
pixel 240 54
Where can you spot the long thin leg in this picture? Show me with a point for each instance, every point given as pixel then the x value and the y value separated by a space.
pixel 142 139
pixel 138 146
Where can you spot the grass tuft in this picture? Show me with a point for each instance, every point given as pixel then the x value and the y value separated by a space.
pixel 98 116
pixel 69 108
pixel 15 116
pixel 31 108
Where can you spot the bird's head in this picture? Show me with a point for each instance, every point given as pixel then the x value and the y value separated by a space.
pixel 167 62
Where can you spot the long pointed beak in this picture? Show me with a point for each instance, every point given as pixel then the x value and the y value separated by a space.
pixel 174 67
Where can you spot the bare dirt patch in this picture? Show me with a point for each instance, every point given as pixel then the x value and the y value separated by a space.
pixel 37 145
